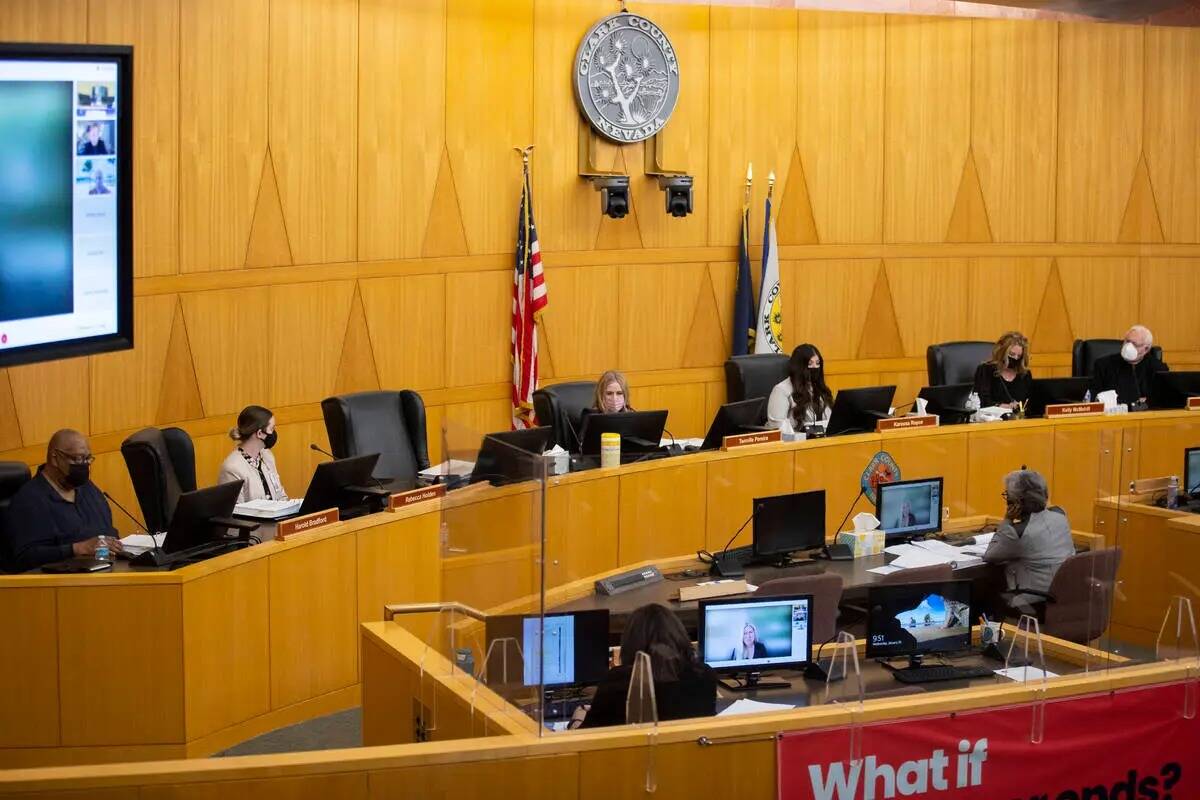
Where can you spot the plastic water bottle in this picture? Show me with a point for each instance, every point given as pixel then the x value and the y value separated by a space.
pixel 1173 492
pixel 102 552
pixel 1087 396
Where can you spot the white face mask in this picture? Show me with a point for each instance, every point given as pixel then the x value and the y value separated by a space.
pixel 1129 352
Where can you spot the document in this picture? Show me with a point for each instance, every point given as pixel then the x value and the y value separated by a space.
pixel 451 467
pixel 745 706
pixel 1024 674
pixel 268 509
pixel 887 569
pixel 137 543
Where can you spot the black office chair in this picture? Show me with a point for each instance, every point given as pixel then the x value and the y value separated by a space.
pixel 13 475
pixel 955 362
pixel 754 376
pixel 389 423
pixel 1084 353
pixel 561 406
pixel 162 466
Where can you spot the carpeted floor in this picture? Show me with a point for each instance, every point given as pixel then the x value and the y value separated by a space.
pixel 343 729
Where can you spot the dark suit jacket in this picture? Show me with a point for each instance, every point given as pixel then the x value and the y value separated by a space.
pixel 1132 381
pixel 693 695
pixel 760 651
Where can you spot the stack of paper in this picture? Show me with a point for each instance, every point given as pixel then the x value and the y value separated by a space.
pixel 451 467
pixel 745 706
pixel 929 553
pixel 268 509
pixel 138 543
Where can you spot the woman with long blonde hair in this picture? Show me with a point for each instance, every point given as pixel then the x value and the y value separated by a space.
pixel 1005 380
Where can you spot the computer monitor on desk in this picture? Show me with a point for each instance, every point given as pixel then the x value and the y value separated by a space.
pixel 331 484
pixel 788 523
pixel 916 619
pixel 1170 390
pixel 948 402
pixel 512 456
pixel 746 636
pixel 857 410
pixel 1050 391
pixel 1191 472
pixel 909 508
pixel 575 650
pixel 196 521
pixel 732 419
pixel 641 431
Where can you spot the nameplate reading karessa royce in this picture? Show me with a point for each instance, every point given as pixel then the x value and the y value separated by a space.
pixel 747 439
pixel 309 522
pixel 1073 409
pixel 401 500
pixel 1193 404
pixel 907 423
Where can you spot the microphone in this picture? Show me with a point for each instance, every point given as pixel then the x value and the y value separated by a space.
pixel 313 446
pixel 155 549
pixel 668 433
pixel 723 565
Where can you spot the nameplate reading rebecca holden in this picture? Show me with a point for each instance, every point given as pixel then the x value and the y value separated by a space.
pixel 905 423
pixel 1073 409
pixel 308 522
pixel 747 439
pixel 401 500
pixel 1193 404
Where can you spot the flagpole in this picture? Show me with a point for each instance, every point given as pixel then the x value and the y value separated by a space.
pixel 770 185
pixel 749 182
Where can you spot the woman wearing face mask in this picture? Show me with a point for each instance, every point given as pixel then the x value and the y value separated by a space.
pixel 612 394
pixel 802 398
pixel 1005 380
pixel 252 461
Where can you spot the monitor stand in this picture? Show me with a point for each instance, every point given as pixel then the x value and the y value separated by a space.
pixel 752 682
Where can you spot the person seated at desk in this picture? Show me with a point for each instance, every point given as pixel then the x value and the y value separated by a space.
pixel 1005 380
pixel 905 518
pixel 683 687
pixel 750 647
pixel 59 514
pixel 612 395
pixel 252 461
pixel 802 398
pixel 1130 371
pixel 1032 542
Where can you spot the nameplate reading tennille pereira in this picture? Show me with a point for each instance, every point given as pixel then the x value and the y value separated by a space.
pixel 747 439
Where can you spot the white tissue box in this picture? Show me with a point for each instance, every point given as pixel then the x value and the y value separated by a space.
pixel 863 543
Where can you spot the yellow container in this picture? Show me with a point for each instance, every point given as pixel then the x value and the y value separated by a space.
pixel 610 449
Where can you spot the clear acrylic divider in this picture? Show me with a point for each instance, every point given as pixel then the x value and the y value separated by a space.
pixel 1028 630
pixel 843 670
pixel 1177 640
pixel 641 708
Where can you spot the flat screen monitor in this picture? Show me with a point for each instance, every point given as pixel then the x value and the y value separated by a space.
pixel 575 650
pixel 909 508
pixel 1050 391
pixel 948 402
pixel 857 410
pixel 1191 471
pixel 511 456
pixel 739 635
pixel 66 209
pixel 732 419
pixel 641 431
pixel 327 489
pixel 1172 389
pixel 191 523
pixel 914 619
pixel 788 523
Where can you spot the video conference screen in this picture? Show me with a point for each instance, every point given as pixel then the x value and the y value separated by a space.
pixel 910 507
pixel 918 618
pixel 751 635
pixel 66 266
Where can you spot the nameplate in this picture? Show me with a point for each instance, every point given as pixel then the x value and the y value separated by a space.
pixel 906 423
pixel 747 439
pixel 1193 404
pixel 401 500
pixel 1073 409
pixel 307 523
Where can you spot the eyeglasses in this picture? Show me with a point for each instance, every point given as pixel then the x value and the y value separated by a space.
pixel 71 459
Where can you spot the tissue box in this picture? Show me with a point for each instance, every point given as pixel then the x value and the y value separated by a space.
pixel 864 543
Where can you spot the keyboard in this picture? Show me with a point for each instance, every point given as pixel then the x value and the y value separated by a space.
pixel 940 673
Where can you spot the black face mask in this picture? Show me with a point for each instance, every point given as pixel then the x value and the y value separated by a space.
pixel 814 374
pixel 1013 363
pixel 271 439
pixel 77 475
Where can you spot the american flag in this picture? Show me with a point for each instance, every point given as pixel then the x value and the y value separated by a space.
pixel 529 298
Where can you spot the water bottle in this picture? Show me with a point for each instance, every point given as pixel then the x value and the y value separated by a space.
pixel 1173 492
pixel 1087 396
pixel 102 553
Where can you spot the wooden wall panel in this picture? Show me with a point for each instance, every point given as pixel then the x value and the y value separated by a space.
pixel 478 328
pixel 1014 115
pixel 687 417
pixel 826 303
pixel 1172 129
pixel 1099 128
pixel 1171 285
pixel 313 118
pixel 29 703
pixel 840 122
pixel 579 324
pixel 929 298
pixel 420 301
pixel 928 102
pixel 492 54
pixel 44 21
pixel 655 310
pixel 153 30
pixel 401 127
pixel 1005 294
pixel 222 129
pixel 1101 295
pixel 125 386
pixel 307 323
pixel 232 349
pixel 51 396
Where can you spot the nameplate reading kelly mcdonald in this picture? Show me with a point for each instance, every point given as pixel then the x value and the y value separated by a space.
pixel 1193 404
pixel 1073 409
pixel 308 522
pixel 401 500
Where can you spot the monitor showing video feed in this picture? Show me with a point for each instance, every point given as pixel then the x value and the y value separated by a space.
pixel 738 635
pixel 909 508
pixel 572 649
pixel 918 618
pixel 66 251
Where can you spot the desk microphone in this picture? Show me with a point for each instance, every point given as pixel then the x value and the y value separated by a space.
pixel 720 565
pixel 141 526
pixel 313 446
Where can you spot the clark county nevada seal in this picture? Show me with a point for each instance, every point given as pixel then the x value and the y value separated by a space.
pixel 626 77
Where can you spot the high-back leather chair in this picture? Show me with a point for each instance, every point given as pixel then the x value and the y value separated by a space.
pixel 561 406
pixel 162 466
pixel 13 475
pixel 955 362
pixel 390 423
pixel 1076 607
pixel 1084 353
pixel 826 591
pixel 754 376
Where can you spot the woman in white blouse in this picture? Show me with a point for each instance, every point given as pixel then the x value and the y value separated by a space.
pixel 802 398
pixel 252 461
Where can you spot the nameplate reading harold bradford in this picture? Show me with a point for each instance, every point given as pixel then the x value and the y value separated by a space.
pixel 401 500
pixel 906 423
pixel 1193 404
pixel 309 522
pixel 747 439
pixel 1073 409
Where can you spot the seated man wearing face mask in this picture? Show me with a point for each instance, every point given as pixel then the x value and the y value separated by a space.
pixel 1130 371
pixel 60 513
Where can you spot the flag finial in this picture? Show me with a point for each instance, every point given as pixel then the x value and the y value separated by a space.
pixel 525 152
pixel 771 184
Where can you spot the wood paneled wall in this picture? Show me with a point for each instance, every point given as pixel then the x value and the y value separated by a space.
pixel 327 198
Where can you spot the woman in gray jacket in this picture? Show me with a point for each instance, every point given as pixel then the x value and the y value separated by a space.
pixel 1033 541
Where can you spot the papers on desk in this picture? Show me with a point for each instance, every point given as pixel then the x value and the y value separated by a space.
pixel 451 467
pixel 745 706
pixel 137 543
pixel 268 509
pixel 695 443
pixel 1024 674
pixel 979 546
pixel 927 554
pixel 887 569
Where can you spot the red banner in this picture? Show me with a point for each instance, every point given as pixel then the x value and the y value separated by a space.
pixel 1130 745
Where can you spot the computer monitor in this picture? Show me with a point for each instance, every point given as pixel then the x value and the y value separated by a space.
pixel 909 508
pixel 734 418
pixel 915 619
pixel 788 523
pixel 1048 391
pixel 575 651
pixel 331 479
pixel 857 410
pixel 948 402
pixel 641 431
pixel 1191 471
pixel 1172 389
pixel 511 456
pixel 192 523
pixel 739 635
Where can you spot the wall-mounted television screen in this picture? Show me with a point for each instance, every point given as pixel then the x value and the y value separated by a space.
pixel 66 201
